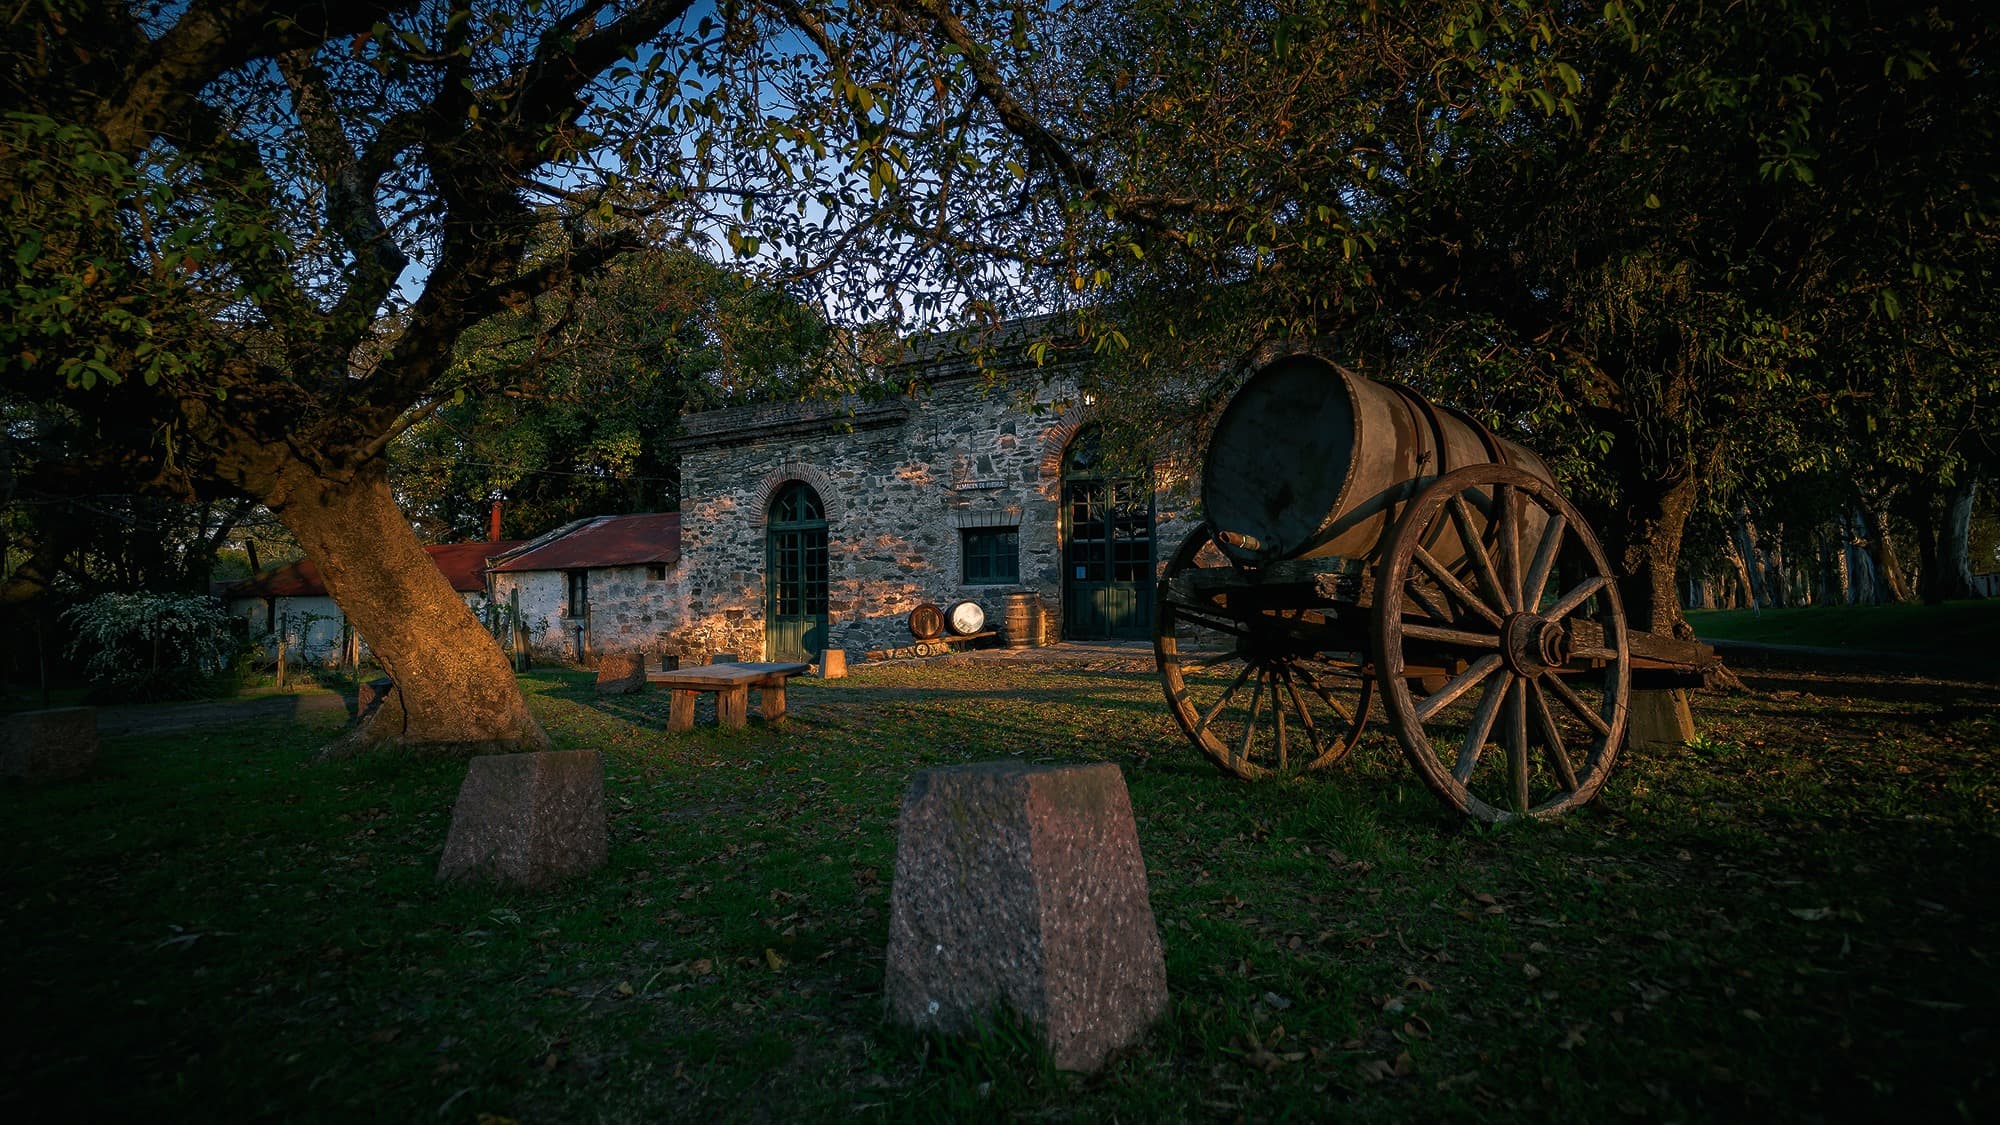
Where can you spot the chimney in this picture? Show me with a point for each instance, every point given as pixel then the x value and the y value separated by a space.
pixel 493 527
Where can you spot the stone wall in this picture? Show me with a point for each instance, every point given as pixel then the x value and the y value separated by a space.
pixel 900 481
pixel 629 611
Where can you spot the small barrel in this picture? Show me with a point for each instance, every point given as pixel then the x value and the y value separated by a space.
pixel 1310 459
pixel 1021 619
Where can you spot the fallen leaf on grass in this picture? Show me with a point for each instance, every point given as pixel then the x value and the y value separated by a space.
pixel 1811 913
pixel 772 959
pixel 1379 1070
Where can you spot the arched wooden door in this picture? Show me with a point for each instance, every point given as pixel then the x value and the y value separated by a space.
pixel 795 575
pixel 1107 548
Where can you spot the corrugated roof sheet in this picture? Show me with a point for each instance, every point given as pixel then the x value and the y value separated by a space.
pixel 463 565
pixel 654 537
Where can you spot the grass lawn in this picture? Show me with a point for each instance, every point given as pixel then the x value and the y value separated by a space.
pixel 1954 630
pixel 1793 919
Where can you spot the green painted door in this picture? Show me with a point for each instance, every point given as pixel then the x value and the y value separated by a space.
pixel 795 575
pixel 1107 550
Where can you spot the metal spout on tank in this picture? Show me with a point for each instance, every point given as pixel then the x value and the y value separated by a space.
pixel 1239 541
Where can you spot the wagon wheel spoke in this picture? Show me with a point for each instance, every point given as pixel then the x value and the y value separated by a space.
pixel 1454 587
pixel 1576 705
pixel 1422 597
pixel 1475 550
pixel 1305 713
pixel 1325 694
pixel 1452 636
pixel 1482 728
pixel 1227 694
pixel 1278 724
pixel 1517 745
pixel 1577 595
pixel 1508 501
pixel 1465 681
pixel 1250 721
pixel 1544 561
pixel 1553 743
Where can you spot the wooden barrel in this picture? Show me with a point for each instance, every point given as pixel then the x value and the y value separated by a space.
pixel 926 622
pixel 1310 459
pixel 1021 619
pixel 965 618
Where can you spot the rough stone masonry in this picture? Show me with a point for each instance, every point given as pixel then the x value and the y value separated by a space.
pixel 1022 887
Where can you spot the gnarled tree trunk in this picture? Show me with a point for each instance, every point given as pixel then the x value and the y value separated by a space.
pixel 1882 551
pixel 1643 539
pixel 455 689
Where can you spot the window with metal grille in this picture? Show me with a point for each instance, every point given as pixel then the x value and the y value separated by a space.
pixel 992 555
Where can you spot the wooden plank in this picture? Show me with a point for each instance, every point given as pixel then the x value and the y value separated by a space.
pixel 710 677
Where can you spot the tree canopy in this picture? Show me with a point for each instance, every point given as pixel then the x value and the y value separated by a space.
pixel 1676 246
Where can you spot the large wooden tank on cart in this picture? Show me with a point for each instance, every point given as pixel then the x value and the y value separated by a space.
pixel 1361 541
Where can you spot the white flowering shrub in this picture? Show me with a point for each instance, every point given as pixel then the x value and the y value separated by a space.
pixel 154 646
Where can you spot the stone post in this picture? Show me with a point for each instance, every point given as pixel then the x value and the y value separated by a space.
pixel 833 664
pixel 528 819
pixel 621 673
pixel 48 745
pixel 1022 887
pixel 1659 718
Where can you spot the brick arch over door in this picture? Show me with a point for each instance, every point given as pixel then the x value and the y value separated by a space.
pixel 1055 443
pixel 760 510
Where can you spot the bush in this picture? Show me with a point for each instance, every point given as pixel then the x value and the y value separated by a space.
pixel 155 646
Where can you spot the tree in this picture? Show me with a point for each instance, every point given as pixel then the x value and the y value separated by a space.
pixel 1666 244
pixel 246 237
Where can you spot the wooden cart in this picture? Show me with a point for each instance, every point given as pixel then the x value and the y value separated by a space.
pixel 1362 542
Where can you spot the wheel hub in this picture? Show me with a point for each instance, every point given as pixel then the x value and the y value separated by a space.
pixel 1532 645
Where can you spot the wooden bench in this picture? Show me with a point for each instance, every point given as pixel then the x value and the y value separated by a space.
pixel 731 684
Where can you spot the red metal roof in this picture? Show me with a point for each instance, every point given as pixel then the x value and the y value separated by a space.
pixel 463 565
pixel 654 537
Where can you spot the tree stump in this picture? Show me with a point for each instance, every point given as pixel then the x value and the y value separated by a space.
pixel 1022 887
pixel 529 819
pixel 370 696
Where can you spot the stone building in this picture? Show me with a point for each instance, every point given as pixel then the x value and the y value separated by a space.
pixel 605 584
pixel 807 526
pixel 290 602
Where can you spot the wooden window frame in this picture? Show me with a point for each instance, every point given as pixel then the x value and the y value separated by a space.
pixel 990 572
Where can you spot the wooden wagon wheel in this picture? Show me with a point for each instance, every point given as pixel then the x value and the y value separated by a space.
pixel 1473 637
pixel 1250 689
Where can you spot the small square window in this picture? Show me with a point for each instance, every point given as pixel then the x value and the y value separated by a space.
pixel 992 555
pixel 656 572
